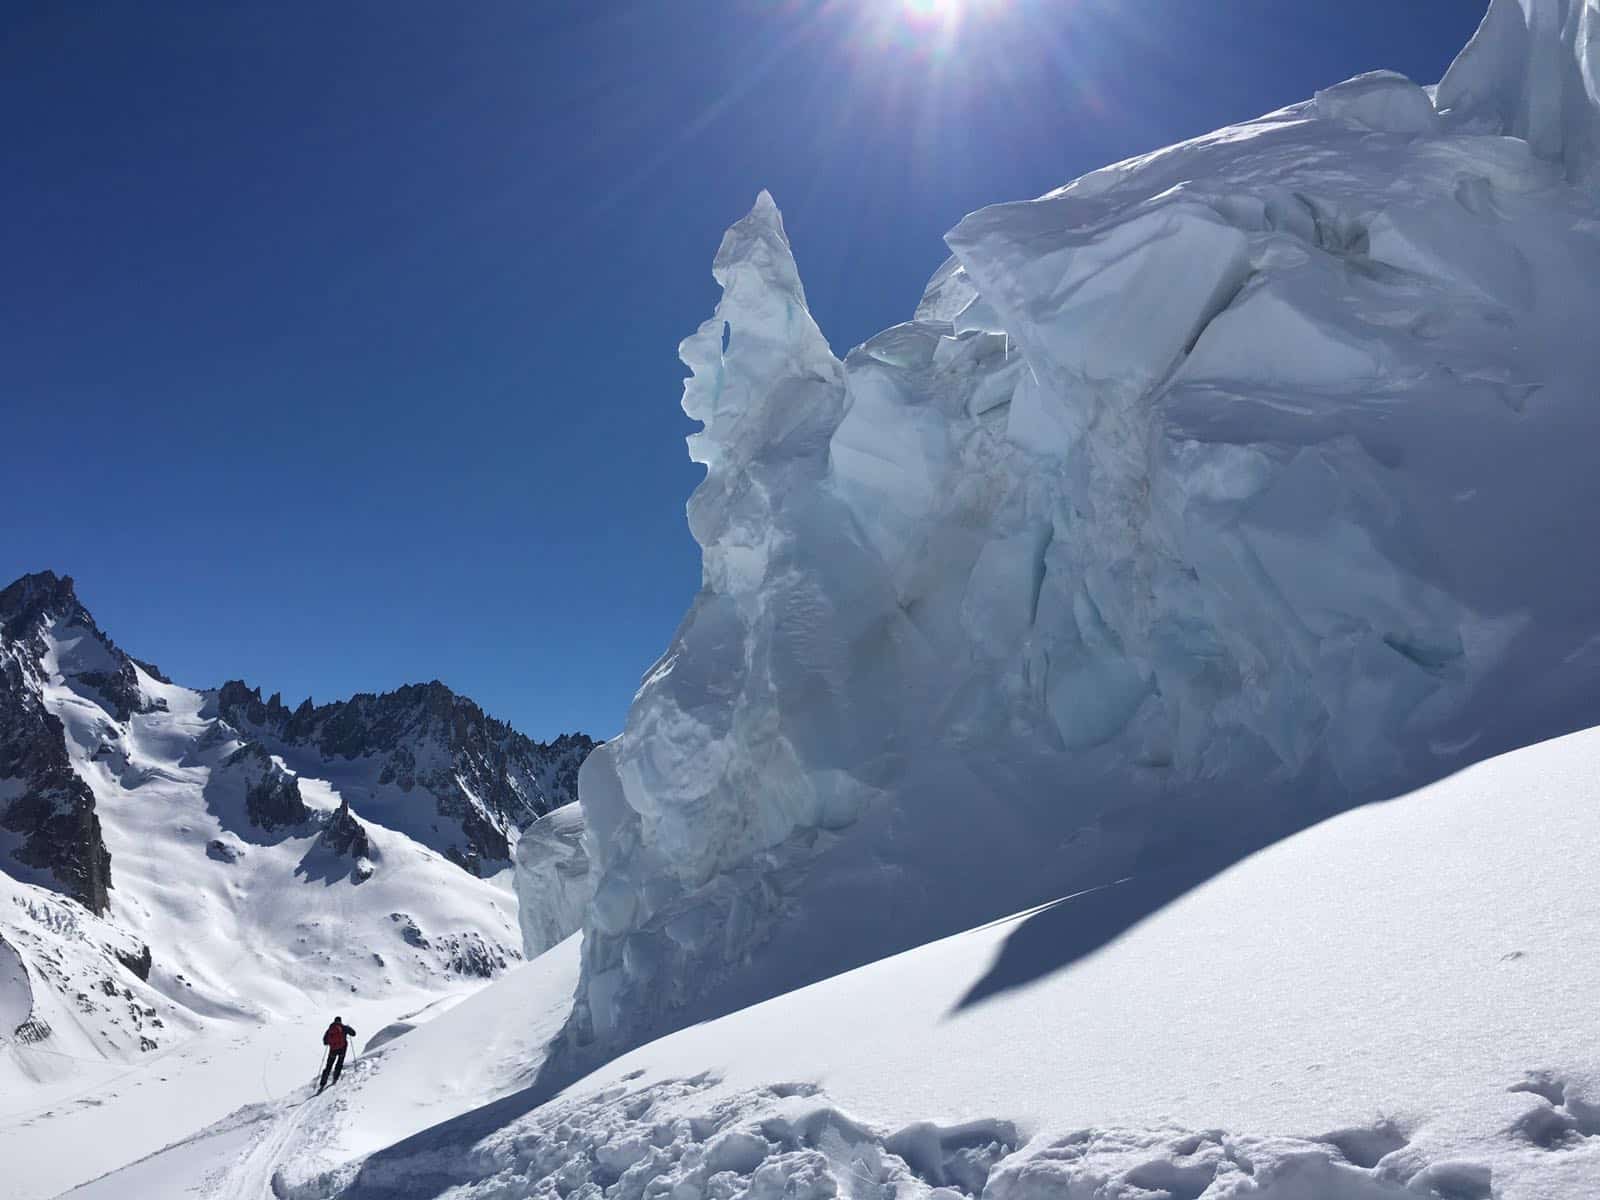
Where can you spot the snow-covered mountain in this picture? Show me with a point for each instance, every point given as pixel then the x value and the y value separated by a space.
pixel 46 809
pixel 423 760
pixel 969 840
pixel 173 857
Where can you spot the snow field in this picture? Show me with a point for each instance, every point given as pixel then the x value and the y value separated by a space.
pixel 98 1116
pixel 247 922
pixel 251 937
pixel 1394 1003
pixel 457 1054
pixel 1388 1004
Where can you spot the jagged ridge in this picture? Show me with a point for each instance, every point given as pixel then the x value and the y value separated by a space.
pixel 484 777
pixel 50 807
pixel 480 771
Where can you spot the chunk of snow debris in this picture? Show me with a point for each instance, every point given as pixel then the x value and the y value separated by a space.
pixel 1380 100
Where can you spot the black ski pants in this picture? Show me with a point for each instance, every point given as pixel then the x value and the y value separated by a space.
pixel 335 1065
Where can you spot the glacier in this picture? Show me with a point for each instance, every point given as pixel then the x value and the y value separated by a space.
pixel 552 879
pixel 1213 493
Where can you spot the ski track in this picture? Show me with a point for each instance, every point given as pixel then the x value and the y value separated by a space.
pixel 257 1175
pixel 254 1176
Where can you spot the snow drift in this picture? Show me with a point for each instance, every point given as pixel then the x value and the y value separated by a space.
pixel 1214 492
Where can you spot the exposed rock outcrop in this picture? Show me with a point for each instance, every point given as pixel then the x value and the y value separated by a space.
pixel 42 800
pixel 480 772
pixel 272 795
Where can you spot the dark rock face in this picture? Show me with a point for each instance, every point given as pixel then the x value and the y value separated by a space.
pixel 139 963
pixel 61 834
pixel 54 813
pixel 272 795
pixel 478 770
pixel 471 956
pixel 28 603
pixel 465 953
pixel 409 930
pixel 344 835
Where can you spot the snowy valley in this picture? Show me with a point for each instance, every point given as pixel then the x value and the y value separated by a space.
pixel 181 869
pixel 1134 740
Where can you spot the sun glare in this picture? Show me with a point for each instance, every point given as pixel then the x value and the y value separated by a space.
pixel 941 14
pixel 926 31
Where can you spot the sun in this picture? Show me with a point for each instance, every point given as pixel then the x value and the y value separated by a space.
pixel 924 29
pixel 932 10
pixel 944 14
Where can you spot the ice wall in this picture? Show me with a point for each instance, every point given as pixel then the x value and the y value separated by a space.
pixel 552 877
pixel 1533 72
pixel 1214 491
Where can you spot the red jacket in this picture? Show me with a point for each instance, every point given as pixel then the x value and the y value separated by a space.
pixel 337 1036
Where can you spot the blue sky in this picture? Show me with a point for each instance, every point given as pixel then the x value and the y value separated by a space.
pixel 338 341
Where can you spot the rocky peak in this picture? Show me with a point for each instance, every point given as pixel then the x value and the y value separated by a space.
pixel 42 593
pixel 272 795
pixel 478 770
pixel 37 602
pixel 344 835
pixel 455 778
pixel 49 808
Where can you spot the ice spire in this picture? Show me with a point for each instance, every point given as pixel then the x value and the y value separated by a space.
pixel 764 383
pixel 760 337
pixel 1532 71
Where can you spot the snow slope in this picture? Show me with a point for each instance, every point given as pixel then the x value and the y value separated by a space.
pixel 95 1115
pixel 16 992
pixel 445 1063
pixel 253 922
pixel 1396 1002
pixel 255 938
pixel 1215 492
pixel 247 904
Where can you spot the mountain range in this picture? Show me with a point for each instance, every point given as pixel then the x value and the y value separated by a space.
pixel 175 854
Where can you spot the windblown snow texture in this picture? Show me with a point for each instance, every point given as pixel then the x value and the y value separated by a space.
pixel 1216 491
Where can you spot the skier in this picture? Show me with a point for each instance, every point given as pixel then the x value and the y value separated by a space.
pixel 337 1040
